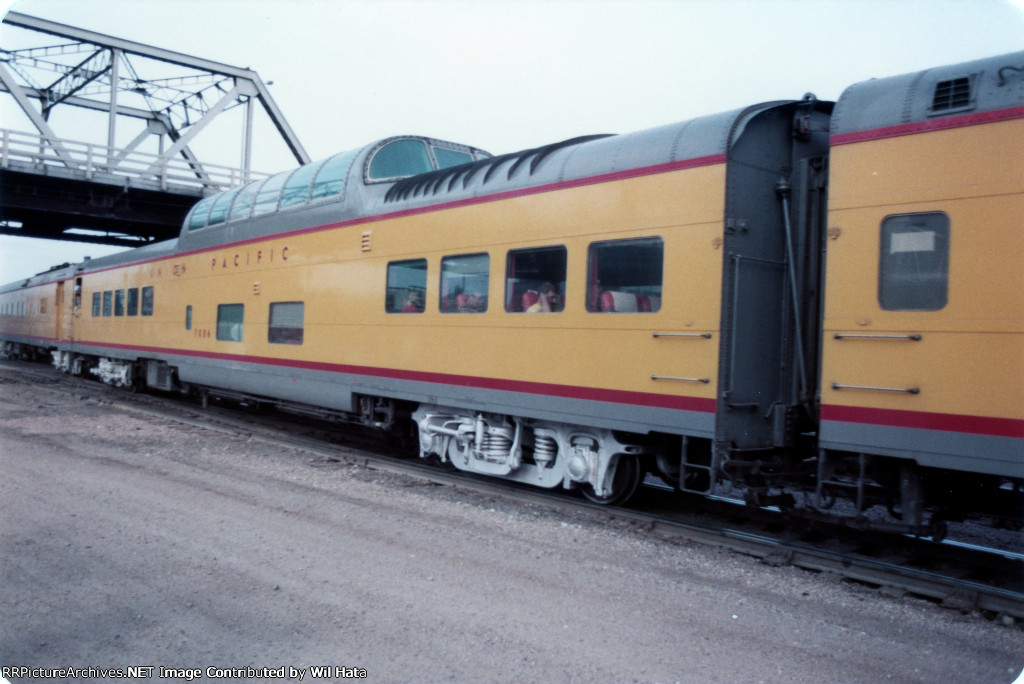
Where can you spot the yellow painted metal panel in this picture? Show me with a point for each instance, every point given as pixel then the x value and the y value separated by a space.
pixel 956 373
pixel 986 281
pixel 970 360
pixel 973 161
pixel 344 286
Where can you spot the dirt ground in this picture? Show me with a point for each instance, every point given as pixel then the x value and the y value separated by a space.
pixel 129 541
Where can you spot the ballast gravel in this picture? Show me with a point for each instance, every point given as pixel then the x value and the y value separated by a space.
pixel 128 541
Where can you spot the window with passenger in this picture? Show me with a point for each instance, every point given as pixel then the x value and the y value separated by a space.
pixel 406 286
pixel 625 276
pixel 286 322
pixel 535 280
pixel 914 262
pixel 230 318
pixel 464 281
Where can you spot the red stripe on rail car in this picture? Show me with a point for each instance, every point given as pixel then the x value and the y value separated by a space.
pixel 648 399
pixel 923 420
pixel 928 126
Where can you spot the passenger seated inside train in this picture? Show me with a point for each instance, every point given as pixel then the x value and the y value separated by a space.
pixel 413 302
pixel 470 303
pixel 544 300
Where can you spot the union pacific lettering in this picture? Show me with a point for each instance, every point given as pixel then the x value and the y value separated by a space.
pixel 250 257
pixel 159 269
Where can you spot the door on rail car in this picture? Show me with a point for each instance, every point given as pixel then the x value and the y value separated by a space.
pixel 64 312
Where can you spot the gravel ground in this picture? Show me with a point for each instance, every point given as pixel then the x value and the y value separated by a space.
pixel 132 541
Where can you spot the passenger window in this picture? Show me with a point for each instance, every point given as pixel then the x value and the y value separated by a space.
pixel 119 303
pixel 535 280
pixel 913 272
pixel 400 159
pixel 197 219
pixel 464 281
pixel 133 301
pixel 286 322
pixel 219 212
pixel 625 276
pixel 188 317
pixel 147 301
pixel 108 302
pixel 296 188
pixel 407 286
pixel 268 195
pixel 230 318
pixel 332 176
pixel 447 158
pixel 95 303
pixel 242 206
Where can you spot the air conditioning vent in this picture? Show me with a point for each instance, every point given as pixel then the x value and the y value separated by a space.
pixel 952 94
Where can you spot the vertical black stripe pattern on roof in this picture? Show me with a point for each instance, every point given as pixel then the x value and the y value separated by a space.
pixel 445 180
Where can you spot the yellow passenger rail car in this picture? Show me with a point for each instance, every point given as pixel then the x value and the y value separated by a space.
pixel 923 335
pixel 770 299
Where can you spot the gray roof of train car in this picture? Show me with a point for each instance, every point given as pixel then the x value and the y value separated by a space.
pixel 133 255
pixel 564 162
pixel 62 272
pixel 982 85
pixel 557 163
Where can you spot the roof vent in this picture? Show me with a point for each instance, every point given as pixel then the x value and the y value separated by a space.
pixel 952 94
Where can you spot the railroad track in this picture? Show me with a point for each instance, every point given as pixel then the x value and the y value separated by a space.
pixel 960 576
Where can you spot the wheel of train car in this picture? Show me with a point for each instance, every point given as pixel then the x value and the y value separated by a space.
pixel 624 476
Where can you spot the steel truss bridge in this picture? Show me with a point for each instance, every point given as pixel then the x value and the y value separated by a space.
pixel 54 184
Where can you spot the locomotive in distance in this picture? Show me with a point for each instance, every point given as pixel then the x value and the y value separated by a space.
pixel 801 301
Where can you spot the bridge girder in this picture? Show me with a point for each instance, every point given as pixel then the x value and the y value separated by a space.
pixel 99 72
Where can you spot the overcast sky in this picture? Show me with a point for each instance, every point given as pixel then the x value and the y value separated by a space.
pixel 505 75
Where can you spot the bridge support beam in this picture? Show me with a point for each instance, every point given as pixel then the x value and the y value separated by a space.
pixel 131 195
pixel 51 207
